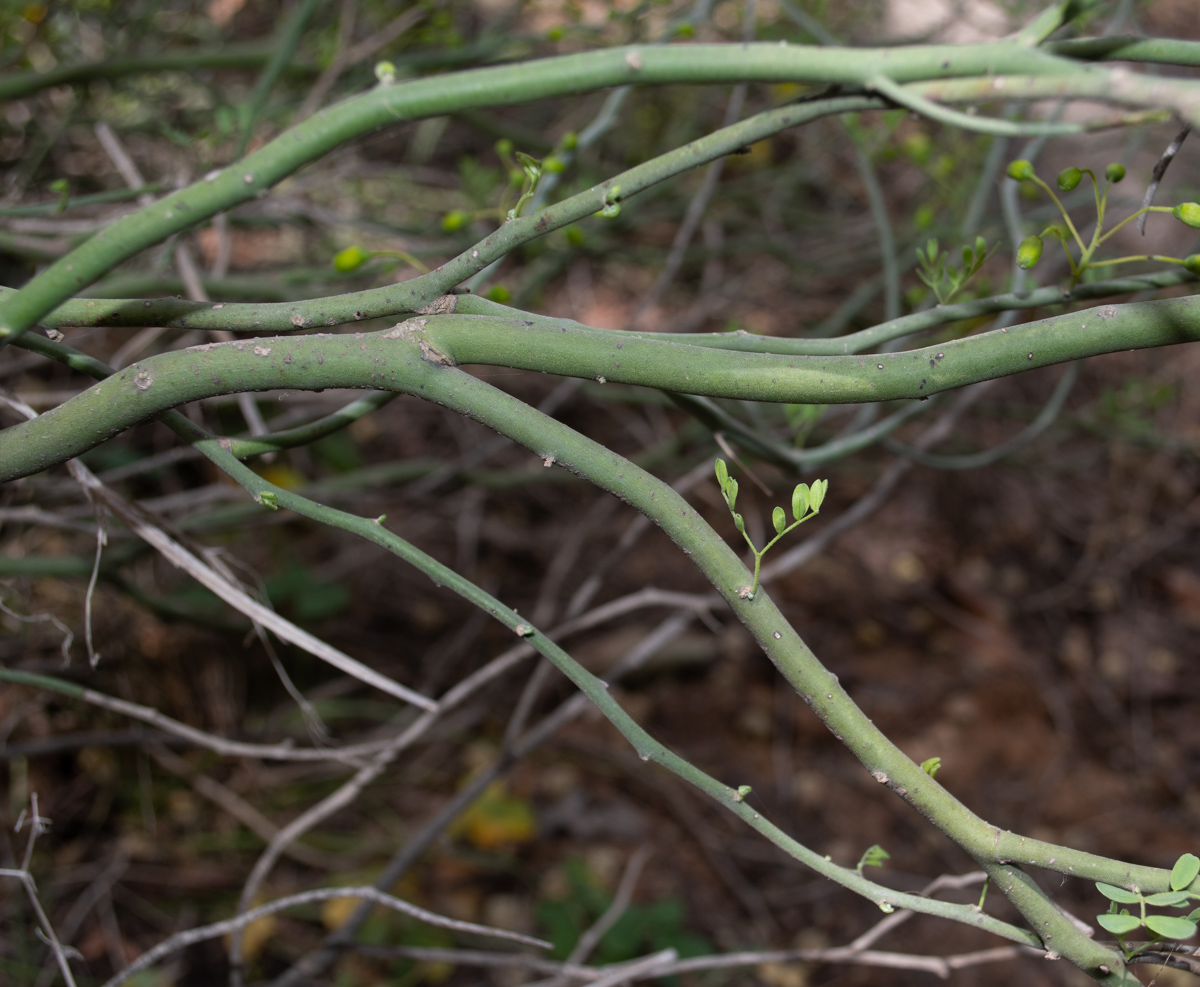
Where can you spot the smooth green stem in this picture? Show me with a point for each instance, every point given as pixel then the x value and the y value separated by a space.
pixel 1062 211
pixel 1130 218
pixel 151 386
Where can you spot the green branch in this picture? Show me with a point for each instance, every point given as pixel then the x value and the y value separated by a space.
pixel 379 361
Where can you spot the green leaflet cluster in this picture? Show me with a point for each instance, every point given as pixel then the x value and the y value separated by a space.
pixel 806 502
pixel 1121 922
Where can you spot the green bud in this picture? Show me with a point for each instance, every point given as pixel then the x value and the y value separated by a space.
pixel 1188 212
pixel 731 492
pixel 555 34
pixel 350 259
pixel 1069 179
pixel 504 146
pixel 611 211
pixel 739 523
pixel 516 177
pixel 553 165
pixel 269 500
pixel 385 72
pixel 499 293
pixel 455 220
pixel 722 471
pixel 1029 253
pixel 612 195
pixel 574 236
pixel 1020 170
pixel 1192 263
pixel 1114 172
pixel 570 141
pixel 685 30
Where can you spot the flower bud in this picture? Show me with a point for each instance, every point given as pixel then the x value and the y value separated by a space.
pixel 1020 170
pixel 1192 263
pixel 385 72
pixel 498 293
pixel 504 146
pixel 1114 172
pixel 454 221
pixel 553 164
pixel 1029 253
pixel 349 259
pixel 1069 179
pixel 570 141
pixel 1188 212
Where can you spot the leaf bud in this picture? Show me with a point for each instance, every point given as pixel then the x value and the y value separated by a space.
pixel 1029 253
pixel 611 211
pixel 553 164
pixel 1020 170
pixel 454 220
pixel 385 72
pixel 1114 172
pixel 350 259
pixel 1069 179
pixel 1189 213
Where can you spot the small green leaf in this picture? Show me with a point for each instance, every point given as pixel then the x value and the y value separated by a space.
pixel 778 520
pixel 873 856
pixel 739 523
pixel 1118 894
pixel 980 249
pixel 722 472
pixel 269 500
pixel 968 259
pixel 816 495
pixel 930 767
pixel 1170 927
pixel 800 501
pixel 1194 914
pixel 1184 872
pixel 731 490
pixel 1119 925
pixel 1168 899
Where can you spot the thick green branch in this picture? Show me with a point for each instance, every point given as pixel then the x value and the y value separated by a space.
pixel 380 360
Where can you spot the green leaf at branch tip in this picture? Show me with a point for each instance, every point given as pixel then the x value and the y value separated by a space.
pixel 930 766
pixel 816 494
pixel 1171 927
pixel 1119 925
pixel 800 501
pixel 722 470
pixel 1020 170
pixel 1186 869
pixel 1189 213
pixel 1168 899
pixel 1118 894
pixel 778 520
pixel 1114 172
pixel 350 259
pixel 1069 179
pixel 873 856
pixel 1029 252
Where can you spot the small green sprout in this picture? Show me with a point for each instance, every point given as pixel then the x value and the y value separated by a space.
pixel 385 72
pixel 806 502
pixel 873 856
pixel 946 280
pixel 742 792
pixel 498 293
pixel 269 499
pixel 930 766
